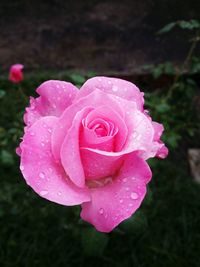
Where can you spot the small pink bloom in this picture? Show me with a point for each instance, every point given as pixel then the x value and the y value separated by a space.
pixel 15 73
pixel 90 147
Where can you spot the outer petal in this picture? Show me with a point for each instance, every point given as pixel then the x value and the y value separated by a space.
pixel 162 150
pixel 41 172
pixel 55 97
pixel 118 200
pixel 70 154
pixel 113 86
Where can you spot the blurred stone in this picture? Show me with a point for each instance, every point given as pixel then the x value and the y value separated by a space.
pixel 194 160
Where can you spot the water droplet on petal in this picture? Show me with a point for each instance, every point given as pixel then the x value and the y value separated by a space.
pixel 43 192
pixel 59 193
pixel 21 167
pixel 124 180
pixel 134 195
pixel 32 133
pixel 121 201
pixel 115 88
pixel 101 210
pixel 134 134
pixel 41 175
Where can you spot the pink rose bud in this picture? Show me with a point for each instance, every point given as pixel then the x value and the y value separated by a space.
pixel 15 73
pixel 90 147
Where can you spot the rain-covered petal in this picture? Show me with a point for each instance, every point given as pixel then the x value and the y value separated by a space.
pixel 118 87
pixel 40 170
pixel 70 153
pixel 119 199
pixel 55 97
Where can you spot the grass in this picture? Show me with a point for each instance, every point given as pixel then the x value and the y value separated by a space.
pixel 164 232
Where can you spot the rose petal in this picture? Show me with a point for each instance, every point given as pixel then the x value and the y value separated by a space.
pixel 41 172
pixel 95 99
pixel 109 115
pixel 158 130
pixel 98 165
pixel 55 97
pixel 70 154
pixel 119 199
pixel 118 87
pixel 89 139
pixel 162 152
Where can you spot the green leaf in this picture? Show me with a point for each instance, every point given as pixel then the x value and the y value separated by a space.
pixel 136 224
pixel 6 158
pixel 93 242
pixel 172 139
pixel 2 93
pixel 162 107
pixel 77 78
pixel 189 25
pixel 167 28
pixel 149 197
pixel 157 71
pixel 169 68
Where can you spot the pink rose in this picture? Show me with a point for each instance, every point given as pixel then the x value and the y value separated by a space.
pixel 90 147
pixel 15 73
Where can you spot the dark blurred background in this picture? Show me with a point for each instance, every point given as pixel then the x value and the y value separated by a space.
pixel 103 36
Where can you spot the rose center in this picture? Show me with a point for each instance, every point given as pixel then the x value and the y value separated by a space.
pixel 100 127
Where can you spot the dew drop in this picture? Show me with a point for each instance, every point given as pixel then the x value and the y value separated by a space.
pixel 134 134
pixel 121 201
pixel 134 195
pixel 124 180
pixel 127 188
pixel 42 144
pixel 59 193
pixel 41 175
pixel 21 167
pixel 115 88
pixel 101 210
pixel 32 133
pixel 43 192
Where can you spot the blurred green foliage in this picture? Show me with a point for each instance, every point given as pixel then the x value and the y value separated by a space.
pixel 176 104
